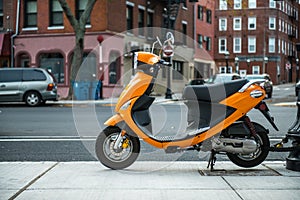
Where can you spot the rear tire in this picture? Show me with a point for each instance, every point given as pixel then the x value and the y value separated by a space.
pixel 33 98
pixel 256 158
pixel 270 95
pixel 116 158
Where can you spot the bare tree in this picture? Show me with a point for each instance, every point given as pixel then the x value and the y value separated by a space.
pixel 79 30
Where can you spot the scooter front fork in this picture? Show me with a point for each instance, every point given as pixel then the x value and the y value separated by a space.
pixel 118 142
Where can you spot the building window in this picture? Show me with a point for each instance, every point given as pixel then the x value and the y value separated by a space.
pixel 200 12
pixel 53 62
pixel 200 41
pixel 184 32
pixel 272 23
pixel 114 67
pixel 80 7
pixel 141 22
pixel 150 24
pixel 251 45
pixel 129 17
pixel 222 45
pixel 272 4
pixel 279 42
pixel 255 69
pixel 184 5
pixel 208 43
pixel 237 23
pixel 177 70
pixel 237 4
pixel 223 4
pixel 252 3
pixel 271 45
pixel 223 69
pixel 30 19
pixel 208 16
pixel 237 45
pixel 251 23
pixel 56 14
pixel 222 24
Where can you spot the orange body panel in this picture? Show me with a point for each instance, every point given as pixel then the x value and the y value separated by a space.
pixel 148 58
pixel 136 87
pixel 113 120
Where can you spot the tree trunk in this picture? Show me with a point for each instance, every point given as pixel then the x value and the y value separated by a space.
pixel 76 60
pixel 79 29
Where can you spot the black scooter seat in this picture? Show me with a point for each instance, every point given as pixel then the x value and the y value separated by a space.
pixel 213 92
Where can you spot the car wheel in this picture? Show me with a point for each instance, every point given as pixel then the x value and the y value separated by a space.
pixel 33 98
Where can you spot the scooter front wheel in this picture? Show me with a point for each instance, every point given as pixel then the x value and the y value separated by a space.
pixel 122 156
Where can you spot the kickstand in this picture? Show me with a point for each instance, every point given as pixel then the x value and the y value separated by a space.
pixel 212 160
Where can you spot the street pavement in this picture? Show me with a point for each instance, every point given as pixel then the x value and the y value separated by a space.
pixel 147 180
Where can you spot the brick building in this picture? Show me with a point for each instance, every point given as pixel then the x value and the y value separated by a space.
pixel 204 35
pixel 255 36
pixel 41 36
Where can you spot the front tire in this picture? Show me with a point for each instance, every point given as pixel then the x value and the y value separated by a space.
pixel 119 158
pixel 256 158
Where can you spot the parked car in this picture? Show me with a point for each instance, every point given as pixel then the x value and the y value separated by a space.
pixel 199 81
pixel 297 88
pixel 30 85
pixel 265 81
pixel 222 78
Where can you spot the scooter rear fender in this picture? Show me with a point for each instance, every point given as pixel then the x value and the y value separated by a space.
pixel 114 120
pixel 239 129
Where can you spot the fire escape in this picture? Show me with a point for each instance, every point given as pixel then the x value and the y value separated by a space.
pixel 171 12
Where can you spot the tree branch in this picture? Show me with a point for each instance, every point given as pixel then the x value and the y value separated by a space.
pixel 72 19
pixel 87 12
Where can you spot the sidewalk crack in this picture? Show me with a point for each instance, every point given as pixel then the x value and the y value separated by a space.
pixel 232 188
pixel 32 181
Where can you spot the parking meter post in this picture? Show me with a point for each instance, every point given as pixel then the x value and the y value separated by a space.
pixel 293 160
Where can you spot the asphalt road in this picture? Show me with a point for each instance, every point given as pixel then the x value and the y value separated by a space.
pixel 67 134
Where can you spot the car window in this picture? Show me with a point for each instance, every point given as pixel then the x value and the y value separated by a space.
pixel 33 75
pixel 267 78
pixel 236 77
pixel 53 77
pixel 10 75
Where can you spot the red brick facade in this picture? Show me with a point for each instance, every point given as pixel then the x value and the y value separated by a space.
pixel 264 59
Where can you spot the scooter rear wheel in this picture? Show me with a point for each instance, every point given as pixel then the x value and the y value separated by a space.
pixel 256 158
pixel 121 157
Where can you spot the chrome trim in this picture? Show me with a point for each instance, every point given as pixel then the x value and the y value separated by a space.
pixel 247 85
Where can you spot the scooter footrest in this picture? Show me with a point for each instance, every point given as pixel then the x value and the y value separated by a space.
pixel 165 138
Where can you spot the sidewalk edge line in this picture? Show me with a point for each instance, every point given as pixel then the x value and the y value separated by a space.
pixel 32 181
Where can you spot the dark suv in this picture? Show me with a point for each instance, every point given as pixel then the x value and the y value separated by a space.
pixel 30 85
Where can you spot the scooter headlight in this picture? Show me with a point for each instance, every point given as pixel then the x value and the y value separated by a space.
pixel 125 105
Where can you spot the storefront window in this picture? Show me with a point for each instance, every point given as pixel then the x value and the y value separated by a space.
pixel 114 67
pixel 54 63
pixel 87 71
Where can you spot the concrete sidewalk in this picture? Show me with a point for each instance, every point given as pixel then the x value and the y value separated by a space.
pixel 147 180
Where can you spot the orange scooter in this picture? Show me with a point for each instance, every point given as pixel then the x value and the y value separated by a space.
pixel 217 115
